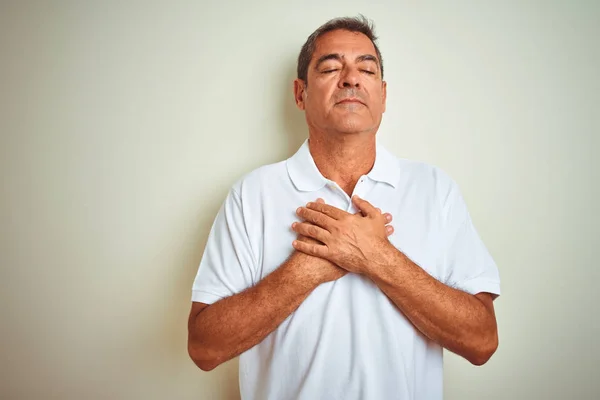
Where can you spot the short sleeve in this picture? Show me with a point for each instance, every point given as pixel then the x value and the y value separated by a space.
pixel 228 263
pixel 468 264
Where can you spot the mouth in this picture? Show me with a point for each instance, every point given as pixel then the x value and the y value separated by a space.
pixel 349 101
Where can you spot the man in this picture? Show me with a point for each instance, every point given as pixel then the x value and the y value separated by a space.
pixel 303 275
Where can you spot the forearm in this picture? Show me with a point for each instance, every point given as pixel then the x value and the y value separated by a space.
pixel 235 324
pixel 456 320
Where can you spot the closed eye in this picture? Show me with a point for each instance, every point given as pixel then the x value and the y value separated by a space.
pixel 368 72
pixel 328 71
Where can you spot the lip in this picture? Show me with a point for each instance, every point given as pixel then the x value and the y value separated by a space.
pixel 351 100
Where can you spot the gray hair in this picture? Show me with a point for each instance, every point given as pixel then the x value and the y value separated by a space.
pixel 353 24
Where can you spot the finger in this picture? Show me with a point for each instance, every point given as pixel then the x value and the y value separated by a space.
pixel 306 239
pixel 328 210
pixel 311 231
pixel 366 207
pixel 389 229
pixel 316 250
pixel 315 217
pixel 388 217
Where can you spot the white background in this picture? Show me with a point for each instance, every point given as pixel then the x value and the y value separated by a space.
pixel 123 124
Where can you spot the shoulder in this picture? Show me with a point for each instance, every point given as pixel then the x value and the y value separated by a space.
pixel 426 182
pixel 429 176
pixel 255 180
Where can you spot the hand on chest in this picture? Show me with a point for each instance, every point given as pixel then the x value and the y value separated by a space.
pixel 415 228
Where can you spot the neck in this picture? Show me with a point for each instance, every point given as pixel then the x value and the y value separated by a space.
pixel 344 158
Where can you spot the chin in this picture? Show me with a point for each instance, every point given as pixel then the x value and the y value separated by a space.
pixel 352 125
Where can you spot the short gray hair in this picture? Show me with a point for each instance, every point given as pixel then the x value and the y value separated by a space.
pixel 353 24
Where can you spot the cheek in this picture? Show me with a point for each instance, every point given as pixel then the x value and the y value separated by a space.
pixel 314 104
pixel 377 101
pixel 318 101
pixel 324 89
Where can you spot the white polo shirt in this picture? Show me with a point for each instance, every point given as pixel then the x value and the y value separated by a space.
pixel 347 340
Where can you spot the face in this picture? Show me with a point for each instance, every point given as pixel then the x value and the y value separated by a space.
pixel 345 92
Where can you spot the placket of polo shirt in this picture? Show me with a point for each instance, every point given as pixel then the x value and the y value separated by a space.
pixel 342 198
pixel 363 186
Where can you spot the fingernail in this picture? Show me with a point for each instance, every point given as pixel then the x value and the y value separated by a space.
pixel 294 224
pixel 309 204
pixel 298 210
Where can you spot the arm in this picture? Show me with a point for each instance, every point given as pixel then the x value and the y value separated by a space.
pixel 227 328
pixel 462 323
pixel 234 324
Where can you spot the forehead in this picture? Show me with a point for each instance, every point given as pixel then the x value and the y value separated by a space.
pixel 345 43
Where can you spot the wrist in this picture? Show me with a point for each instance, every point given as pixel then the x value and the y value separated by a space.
pixel 385 256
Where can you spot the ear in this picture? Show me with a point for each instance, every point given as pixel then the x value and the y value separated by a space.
pixel 384 93
pixel 299 93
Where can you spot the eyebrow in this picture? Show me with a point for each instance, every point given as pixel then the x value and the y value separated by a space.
pixel 338 57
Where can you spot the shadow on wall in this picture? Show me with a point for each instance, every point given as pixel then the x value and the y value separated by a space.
pixel 292 118
pixel 290 123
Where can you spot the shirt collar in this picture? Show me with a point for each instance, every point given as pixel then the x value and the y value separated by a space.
pixel 386 168
pixel 306 176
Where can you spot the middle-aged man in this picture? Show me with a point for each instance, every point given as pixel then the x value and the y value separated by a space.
pixel 303 275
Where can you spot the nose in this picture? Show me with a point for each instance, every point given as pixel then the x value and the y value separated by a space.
pixel 350 78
